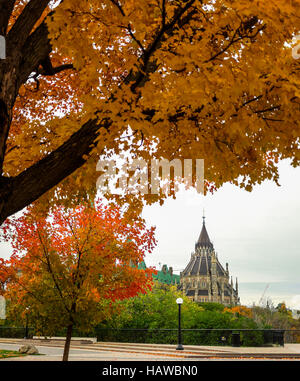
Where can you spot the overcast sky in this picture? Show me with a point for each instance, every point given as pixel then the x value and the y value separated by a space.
pixel 257 233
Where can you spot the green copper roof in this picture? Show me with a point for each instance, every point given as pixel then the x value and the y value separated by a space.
pixel 165 275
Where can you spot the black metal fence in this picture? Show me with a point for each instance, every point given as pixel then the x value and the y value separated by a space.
pixel 232 337
pixel 222 337
pixel 16 332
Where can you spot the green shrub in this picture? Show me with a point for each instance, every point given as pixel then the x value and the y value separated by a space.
pixel 153 318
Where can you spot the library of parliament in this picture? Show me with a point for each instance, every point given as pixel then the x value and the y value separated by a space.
pixel 204 279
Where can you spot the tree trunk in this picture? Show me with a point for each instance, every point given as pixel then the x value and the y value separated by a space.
pixel 21 190
pixel 68 342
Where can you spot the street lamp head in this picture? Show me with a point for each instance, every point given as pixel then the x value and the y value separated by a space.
pixel 179 301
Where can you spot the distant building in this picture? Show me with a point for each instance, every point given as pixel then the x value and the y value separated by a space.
pixel 204 279
pixel 165 275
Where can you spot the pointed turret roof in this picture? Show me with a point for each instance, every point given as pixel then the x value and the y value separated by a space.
pixel 203 240
pixel 201 262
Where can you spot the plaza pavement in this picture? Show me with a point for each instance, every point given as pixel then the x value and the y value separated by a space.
pixel 52 351
pixel 76 354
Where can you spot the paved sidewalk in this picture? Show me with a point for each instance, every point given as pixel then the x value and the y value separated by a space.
pixel 77 354
pixel 104 351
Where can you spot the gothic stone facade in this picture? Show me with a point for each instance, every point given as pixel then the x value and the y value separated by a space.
pixel 204 279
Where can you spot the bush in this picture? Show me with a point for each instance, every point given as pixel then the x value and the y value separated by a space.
pixel 153 318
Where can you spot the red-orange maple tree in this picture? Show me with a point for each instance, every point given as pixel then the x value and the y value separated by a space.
pixel 66 265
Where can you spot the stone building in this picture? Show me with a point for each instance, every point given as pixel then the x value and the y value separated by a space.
pixel 204 279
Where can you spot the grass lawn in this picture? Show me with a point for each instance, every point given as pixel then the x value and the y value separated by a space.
pixel 5 354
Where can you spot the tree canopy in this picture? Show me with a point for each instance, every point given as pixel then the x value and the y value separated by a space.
pixel 208 79
pixel 67 266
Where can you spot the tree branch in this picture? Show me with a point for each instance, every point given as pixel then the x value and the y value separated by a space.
pixel 48 70
pixel 20 191
pixel 36 50
pixel 166 29
pixel 50 270
pixel 19 64
pixel 25 23
pixel 6 8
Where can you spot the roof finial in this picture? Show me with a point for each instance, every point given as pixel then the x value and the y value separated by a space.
pixel 203 240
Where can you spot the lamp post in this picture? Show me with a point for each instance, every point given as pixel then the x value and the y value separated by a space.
pixel 179 301
pixel 26 328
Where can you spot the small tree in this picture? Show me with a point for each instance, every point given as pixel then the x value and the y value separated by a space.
pixel 64 267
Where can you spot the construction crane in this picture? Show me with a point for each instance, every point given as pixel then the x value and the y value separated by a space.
pixel 263 295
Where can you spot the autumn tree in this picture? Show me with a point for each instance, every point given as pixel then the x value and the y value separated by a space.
pixel 209 79
pixel 278 318
pixel 239 311
pixel 281 307
pixel 64 267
